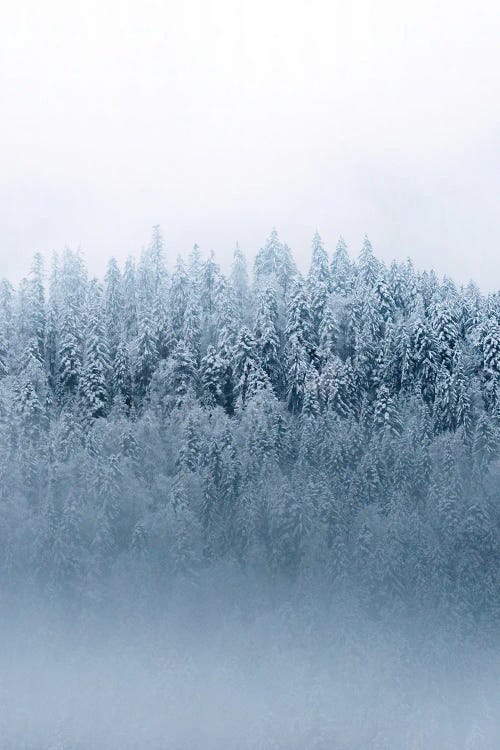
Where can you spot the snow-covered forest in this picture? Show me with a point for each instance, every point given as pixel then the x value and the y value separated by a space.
pixel 248 509
pixel 342 424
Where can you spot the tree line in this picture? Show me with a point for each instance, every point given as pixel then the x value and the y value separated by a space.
pixel 342 424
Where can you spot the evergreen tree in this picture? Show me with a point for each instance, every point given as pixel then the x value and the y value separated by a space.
pixel 386 415
pixel 35 313
pixel 4 352
pixel 94 381
pixel 310 405
pixel 184 372
pixel 299 324
pixel 329 335
pixel 178 297
pixel 297 362
pixel 145 356
pixel 122 374
pixel 267 261
pixel 211 377
pixel 113 304
pixel 240 283
pixel 130 299
pixel 69 355
pixel 369 266
pixel 444 401
pixel 248 374
pixel 267 337
pixel 318 284
pixel 341 271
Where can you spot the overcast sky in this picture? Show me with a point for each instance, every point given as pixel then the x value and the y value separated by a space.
pixel 220 118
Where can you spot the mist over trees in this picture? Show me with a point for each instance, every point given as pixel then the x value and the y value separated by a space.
pixel 341 427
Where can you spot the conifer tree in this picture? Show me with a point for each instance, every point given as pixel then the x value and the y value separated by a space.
pixel 69 356
pixel 318 284
pixel 297 363
pixel 113 304
pixel 122 374
pixel 240 283
pixel 145 356
pixel 130 299
pixel 248 374
pixel 369 266
pixel 267 337
pixel 94 380
pixel 178 297
pixel 341 271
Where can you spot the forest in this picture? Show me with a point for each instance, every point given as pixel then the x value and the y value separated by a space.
pixel 248 510
pixel 340 427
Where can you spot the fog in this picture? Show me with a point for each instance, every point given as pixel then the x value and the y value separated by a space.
pixel 220 667
pixel 220 119
pixel 249 506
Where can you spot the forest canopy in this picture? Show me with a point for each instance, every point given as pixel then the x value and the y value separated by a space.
pixel 341 426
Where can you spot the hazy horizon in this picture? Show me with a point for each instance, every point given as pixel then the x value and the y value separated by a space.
pixel 218 120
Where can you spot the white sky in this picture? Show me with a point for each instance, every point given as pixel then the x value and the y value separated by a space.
pixel 220 118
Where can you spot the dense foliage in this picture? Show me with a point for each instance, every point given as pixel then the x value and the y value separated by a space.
pixel 343 425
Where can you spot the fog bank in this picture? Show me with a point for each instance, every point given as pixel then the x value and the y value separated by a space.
pixel 234 669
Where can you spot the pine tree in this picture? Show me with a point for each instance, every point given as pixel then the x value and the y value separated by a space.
pixel 178 297
pixel 164 335
pixel 94 381
pixel 336 389
pixel 4 352
pixel 211 377
pixel 35 322
pixel 286 271
pixel 225 363
pixel 248 374
pixel 464 409
pixel 29 408
pixel 491 359
pixel 69 355
pixel 122 374
pixel 130 299
pixel 52 327
pixel 385 415
pixel 310 407
pixel 189 455
pixel 267 337
pixel 426 357
pixel 444 401
pixel 296 366
pixel 274 265
pixel 384 301
pixel 240 283
pixel 369 266
pixel 210 273
pixel 299 324
pixel 192 329
pixel 267 260
pixel 152 270
pixel 184 372
pixel 329 335
pixel 145 356
pixel 7 307
pixel 318 284
pixel 485 443
pixel 228 317
pixel 113 304
pixel 446 329
pixel 341 270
